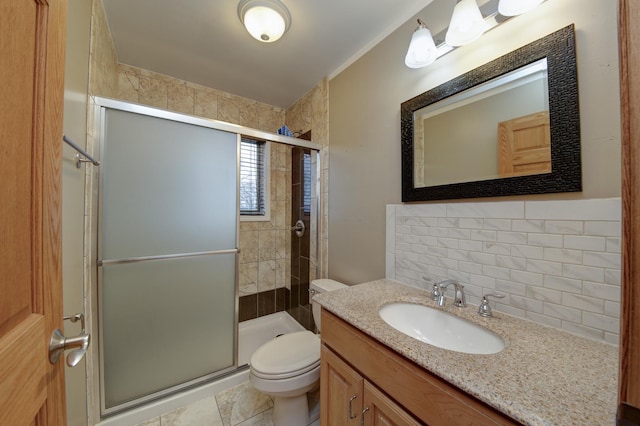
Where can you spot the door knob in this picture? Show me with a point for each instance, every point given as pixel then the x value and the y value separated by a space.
pixel 59 343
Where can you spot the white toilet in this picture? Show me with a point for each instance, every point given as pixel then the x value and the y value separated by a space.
pixel 288 367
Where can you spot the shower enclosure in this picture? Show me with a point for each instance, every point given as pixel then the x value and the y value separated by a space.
pixel 166 251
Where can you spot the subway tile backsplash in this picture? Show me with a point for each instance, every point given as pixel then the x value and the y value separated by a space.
pixel 557 262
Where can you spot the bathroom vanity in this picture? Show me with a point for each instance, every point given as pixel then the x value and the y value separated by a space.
pixel 383 371
pixel 372 372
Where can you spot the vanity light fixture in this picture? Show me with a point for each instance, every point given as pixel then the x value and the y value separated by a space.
pixel 265 20
pixel 467 25
pixel 422 49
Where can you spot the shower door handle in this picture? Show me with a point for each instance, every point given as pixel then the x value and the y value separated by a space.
pixel 299 228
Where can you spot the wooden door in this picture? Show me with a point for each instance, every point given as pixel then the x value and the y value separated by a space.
pixel 380 410
pixel 524 145
pixel 629 383
pixel 32 41
pixel 340 391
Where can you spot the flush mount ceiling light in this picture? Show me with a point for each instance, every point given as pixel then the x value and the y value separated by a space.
pixel 422 49
pixel 467 24
pixel 265 20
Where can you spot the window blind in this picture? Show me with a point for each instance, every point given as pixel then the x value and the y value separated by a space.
pixel 252 177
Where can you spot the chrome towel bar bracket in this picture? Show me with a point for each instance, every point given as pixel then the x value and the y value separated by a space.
pixel 82 156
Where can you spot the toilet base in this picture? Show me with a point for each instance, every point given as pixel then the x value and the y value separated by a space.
pixel 291 411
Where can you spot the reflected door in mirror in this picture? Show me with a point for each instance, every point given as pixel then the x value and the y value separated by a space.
pixel 524 145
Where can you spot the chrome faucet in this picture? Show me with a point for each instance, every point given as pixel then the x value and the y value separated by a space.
pixel 459 299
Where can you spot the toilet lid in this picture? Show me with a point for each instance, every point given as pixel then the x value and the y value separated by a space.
pixel 289 355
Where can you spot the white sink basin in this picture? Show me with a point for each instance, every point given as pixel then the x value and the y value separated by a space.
pixel 441 329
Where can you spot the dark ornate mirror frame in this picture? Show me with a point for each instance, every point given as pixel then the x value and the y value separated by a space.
pixel 566 175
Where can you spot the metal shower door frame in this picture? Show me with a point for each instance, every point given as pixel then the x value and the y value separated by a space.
pixel 93 284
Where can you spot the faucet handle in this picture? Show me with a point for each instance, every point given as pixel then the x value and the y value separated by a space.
pixel 484 309
pixel 436 292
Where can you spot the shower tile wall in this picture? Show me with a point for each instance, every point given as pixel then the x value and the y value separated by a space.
pixel 111 79
pixel 300 246
pixel 265 257
pixel 311 113
pixel 557 262
pixel 149 88
pixel 103 61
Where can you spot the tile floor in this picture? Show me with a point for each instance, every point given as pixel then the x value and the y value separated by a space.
pixel 240 405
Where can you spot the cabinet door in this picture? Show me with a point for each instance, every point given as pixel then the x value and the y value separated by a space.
pixel 340 391
pixel 379 410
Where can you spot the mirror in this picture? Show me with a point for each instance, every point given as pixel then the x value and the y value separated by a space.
pixel 507 120
pixel 508 127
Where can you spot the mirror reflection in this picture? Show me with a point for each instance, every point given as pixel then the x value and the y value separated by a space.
pixel 493 130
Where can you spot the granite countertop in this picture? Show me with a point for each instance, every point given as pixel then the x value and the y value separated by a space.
pixel 543 376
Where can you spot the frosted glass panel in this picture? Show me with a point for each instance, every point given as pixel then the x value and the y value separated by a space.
pixel 168 187
pixel 166 322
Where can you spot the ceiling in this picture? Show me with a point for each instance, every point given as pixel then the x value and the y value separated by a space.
pixel 204 42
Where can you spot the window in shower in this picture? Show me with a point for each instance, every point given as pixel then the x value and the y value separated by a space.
pixel 254 179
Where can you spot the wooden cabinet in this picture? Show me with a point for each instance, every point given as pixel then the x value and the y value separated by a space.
pixel 340 391
pixel 359 373
pixel 349 399
pixel 381 410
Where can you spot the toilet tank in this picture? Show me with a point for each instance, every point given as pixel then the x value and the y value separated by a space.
pixel 322 286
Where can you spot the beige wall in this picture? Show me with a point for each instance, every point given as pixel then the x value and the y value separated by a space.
pixel 364 126
pixel 75 127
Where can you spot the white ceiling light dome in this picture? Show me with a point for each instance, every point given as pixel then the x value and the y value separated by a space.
pixel 265 20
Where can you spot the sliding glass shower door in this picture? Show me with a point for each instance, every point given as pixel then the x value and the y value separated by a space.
pixel 167 256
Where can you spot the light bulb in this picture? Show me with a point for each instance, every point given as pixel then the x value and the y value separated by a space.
pixel 264 24
pixel 467 24
pixel 422 50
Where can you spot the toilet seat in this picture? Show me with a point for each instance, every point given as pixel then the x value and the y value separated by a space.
pixel 287 356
